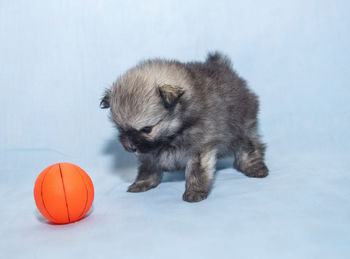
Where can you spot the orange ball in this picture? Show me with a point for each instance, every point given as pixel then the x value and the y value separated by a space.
pixel 63 193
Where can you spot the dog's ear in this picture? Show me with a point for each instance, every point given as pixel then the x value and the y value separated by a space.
pixel 105 101
pixel 170 95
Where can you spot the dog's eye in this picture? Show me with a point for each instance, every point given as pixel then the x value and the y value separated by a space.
pixel 146 130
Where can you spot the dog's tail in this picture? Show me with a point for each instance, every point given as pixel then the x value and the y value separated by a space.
pixel 218 58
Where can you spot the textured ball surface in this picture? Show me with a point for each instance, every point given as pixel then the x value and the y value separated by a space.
pixel 63 193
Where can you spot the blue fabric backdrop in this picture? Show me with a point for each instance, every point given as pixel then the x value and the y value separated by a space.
pixel 56 58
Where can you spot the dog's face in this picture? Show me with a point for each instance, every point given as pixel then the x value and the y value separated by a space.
pixel 145 112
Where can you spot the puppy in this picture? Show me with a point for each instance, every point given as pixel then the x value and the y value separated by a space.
pixel 177 116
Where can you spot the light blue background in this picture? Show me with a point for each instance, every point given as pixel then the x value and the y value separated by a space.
pixel 57 57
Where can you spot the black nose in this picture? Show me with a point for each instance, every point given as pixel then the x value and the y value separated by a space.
pixel 128 143
pixel 129 147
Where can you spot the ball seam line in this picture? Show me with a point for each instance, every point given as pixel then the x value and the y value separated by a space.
pixel 64 190
pixel 41 193
pixel 87 192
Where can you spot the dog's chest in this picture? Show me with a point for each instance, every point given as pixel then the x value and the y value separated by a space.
pixel 172 159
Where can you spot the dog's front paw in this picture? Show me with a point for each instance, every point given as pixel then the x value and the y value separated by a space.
pixel 141 186
pixel 194 196
pixel 258 170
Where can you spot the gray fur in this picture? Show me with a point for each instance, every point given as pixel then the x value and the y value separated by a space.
pixel 179 116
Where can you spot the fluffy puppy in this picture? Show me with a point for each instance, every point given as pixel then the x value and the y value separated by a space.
pixel 177 116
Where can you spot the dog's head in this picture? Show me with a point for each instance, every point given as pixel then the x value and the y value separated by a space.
pixel 146 105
